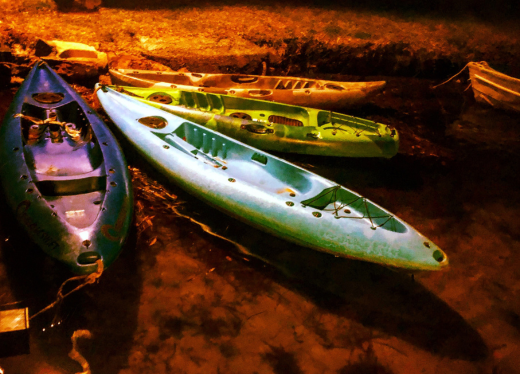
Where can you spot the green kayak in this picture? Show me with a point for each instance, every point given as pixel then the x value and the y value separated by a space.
pixel 267 192
pixel 273 126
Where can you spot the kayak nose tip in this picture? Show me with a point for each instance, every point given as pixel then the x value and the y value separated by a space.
pixel 438 254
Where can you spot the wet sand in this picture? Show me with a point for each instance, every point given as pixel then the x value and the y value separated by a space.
pixel 182 300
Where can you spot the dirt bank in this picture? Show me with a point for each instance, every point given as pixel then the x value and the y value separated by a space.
pixel 292 39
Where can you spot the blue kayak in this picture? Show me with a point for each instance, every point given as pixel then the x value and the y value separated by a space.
pixel 63 174
pixel 268 192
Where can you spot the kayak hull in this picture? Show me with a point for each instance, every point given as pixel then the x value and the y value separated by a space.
pixel 274 126
pixel 267 192
pixel 289 90
pixel 63 174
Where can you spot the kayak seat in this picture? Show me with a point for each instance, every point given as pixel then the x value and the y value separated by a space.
pixel 188 137
pixel 78 174
pixel 71 186
pixel 208 146
pixel 181 79
pixel 208 82
pixel 67 158
pixel 50 150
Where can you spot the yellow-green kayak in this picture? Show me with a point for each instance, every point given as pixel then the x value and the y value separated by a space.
pixel 273 126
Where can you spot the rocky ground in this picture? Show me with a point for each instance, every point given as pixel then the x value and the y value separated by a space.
pixel 181 300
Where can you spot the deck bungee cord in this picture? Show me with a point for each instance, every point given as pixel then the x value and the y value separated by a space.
pixel 341 206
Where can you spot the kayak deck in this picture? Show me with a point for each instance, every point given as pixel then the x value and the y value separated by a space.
pixel 275 176
pixel 290 90
pixel 274 126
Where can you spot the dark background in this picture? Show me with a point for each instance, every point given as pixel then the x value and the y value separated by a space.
pixel 483 9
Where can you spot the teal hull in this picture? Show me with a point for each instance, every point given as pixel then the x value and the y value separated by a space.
pixel 63 174
pixel 268 192
pixel 277 127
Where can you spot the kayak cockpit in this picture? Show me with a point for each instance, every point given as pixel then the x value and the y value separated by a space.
pixel 65 160
pixel 58 144
pixel 242 162
pixel 257 168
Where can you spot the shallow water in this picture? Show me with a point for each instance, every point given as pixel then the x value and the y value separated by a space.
pixel 236 300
